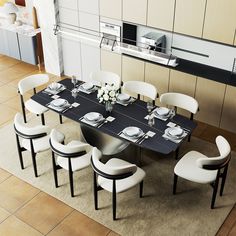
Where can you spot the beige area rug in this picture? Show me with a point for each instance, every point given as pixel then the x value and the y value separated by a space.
pixel 158 213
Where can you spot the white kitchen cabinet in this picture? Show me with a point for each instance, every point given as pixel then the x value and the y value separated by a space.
pixel 89 6
pixel 69 16
pixel 89 21
pixel 71 57
pixel 90 60
pixel 161 14
pixel 229 110
pixel 135 11
pixel 220 21
pixel 189 17
pixel 4 43
pixel 158 76
pixel 111 61
pixel 13 44
pixel 111 9
pixel 210 96
pixel 71 4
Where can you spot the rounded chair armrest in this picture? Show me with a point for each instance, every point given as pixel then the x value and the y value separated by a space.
pixel 108 176
pixel 212 163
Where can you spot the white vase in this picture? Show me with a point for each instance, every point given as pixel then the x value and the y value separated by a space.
pixel 108 107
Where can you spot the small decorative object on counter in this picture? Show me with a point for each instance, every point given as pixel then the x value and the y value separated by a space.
pixel 107 95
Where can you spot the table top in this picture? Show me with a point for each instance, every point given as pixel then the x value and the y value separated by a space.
pixel 131 115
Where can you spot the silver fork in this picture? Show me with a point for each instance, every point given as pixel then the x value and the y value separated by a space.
pixel 67 109
pixel 145 137
pixel 104 122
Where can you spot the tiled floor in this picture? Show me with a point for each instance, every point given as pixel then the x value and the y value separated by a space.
pixel 21 211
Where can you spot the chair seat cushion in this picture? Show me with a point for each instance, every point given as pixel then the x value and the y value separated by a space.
pixel 40 144
pixel 187 168
pixel 35 107
pixel 77 163
pixel 123 184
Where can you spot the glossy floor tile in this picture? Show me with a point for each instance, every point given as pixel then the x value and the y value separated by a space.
pixel 43 212
pixel 79 224
pixel 12 226
pixel 14 193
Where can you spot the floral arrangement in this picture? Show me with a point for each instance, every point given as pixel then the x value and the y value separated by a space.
pixel 107 93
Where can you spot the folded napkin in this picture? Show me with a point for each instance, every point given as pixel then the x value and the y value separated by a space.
pixel 53 91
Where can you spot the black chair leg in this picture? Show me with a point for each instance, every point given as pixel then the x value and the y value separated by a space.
pixel 42 119
pixel 71 183
pixel 175 183
pixel 189 138
pixel 95 192
pixel 223 180
pixel 177 154
pixel 141 189
pixel 114 199
pixel 19 152
pixel 34 163
pixel 54 170
pixel 215 190
pixel 60 117
pixel 23 108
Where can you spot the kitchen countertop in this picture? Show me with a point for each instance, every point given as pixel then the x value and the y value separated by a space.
pixel 200 70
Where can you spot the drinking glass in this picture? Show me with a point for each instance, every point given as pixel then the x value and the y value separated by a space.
pixel 73 80
pixel 149 105
pixel 151 120
pixel 74 93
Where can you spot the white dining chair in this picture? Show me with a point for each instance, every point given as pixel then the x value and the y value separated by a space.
pixel 141 88
pixel 180 100
pixel 34 139
pixel 115 176
pixel 198 168
pixel 72 157
pixel 27 84
pixel 100 78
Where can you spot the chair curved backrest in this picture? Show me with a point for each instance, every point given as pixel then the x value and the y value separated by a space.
pixel 31 82
pixel 66 149
pixel 142 88
pixel 224 150
pixel 21 127
pixel 180 100
pixel 96 156
pixel 105 77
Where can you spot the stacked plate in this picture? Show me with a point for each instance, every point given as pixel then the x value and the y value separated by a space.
pixel 123 98
pixel 133 132
pixel 87 86
pixel 54 88
pixel 162 112
pixel 60 102
pixel 175 132
pixel 93 117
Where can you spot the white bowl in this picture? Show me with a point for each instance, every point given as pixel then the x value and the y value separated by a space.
pixel 87 86
pixel 175 131
pixel 162 111
pixel 54 86
pixel 93 116
pixel 123 97
pixel 60 102
pixel 132 131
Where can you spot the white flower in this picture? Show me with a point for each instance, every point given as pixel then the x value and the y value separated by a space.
pixel 112 93
pixel 105 97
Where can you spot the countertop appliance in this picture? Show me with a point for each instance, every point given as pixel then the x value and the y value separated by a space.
pixel 154 41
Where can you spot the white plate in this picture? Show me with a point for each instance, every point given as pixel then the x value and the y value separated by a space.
pixel 175 131
pixel 93 116
pixel 55 86
pixel 123 97
pixel 60 102
pixel 133 131
pixel 162 111
pixel 87 86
